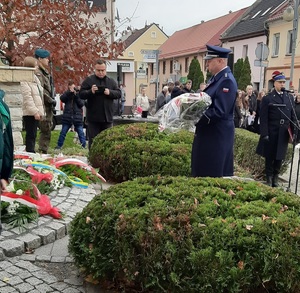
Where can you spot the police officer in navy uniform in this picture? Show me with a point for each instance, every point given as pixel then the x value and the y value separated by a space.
pixel 276 115
pixel 212 152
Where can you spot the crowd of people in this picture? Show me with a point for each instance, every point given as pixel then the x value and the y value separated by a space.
pixel 273 115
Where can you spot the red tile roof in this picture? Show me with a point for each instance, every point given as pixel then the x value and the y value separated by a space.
pixel 194 39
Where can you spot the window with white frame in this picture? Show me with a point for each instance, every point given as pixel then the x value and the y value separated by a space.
pixel 289 42
pixel 276 39
pixel 153 35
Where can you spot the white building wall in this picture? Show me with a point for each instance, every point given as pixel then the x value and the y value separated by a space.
pixel 257 73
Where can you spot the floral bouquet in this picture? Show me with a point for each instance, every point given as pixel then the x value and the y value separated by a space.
pixel 183 112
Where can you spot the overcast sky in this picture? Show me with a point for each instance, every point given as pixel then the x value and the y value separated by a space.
pixel 173 15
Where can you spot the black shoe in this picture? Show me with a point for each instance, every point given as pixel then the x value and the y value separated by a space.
pixel 275 181
pixel 269 180
pixel 57 148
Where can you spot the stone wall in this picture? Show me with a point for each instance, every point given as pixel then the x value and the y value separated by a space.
pixel 10 78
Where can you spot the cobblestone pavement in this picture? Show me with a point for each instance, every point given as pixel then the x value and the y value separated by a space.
pixel 37 260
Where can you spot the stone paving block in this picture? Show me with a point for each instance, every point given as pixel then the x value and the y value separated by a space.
pixel 27 266
pixel 44 288
pixel 43 258
pixel 17 231
pixel 31 241
pixel 60 229
pixel 2 256
pixel 34 281
pixel 28 257
pixel 24 275
pixel 4 275
pixel 49 279
pixel 14 280
pixel 6 234
pixel 12 247
pixel 14 270
pixel 47 235
pixel 7 290
pixel 24 287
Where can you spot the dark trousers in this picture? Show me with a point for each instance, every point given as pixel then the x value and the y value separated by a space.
pixel 94 128
pixel 144 114
pixel 272 166
pixel 31 126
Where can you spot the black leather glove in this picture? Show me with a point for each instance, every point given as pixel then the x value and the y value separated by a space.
pixel 265 138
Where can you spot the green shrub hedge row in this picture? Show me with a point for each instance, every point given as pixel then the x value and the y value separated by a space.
pixel 245 157
pixel 178 234
pixel 137 150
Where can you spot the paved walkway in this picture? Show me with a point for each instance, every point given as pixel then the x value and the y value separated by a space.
pixel 37 260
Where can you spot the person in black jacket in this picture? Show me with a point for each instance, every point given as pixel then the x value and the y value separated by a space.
pixel 276 120
pixel 100 91
pixel 72 115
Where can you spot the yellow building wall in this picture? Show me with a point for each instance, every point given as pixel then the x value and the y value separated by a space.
pixel 282 61
pixel 152 39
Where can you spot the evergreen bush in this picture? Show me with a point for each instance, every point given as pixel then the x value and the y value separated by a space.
pixel 178 234
pixel 136 150
pixel 245 154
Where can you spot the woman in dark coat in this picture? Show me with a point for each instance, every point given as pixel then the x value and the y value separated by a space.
pixel 237 110
pixel 276 114
pixel 256 124
pixel 72 115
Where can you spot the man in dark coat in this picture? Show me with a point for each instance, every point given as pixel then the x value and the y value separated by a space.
pixel 276 114
pixel 100 91
pixel 177 90
pixel 212 152
pixel 72 115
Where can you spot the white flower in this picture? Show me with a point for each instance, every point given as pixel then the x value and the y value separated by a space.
pixel 12 208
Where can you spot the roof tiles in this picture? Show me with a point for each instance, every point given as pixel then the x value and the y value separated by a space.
pixel 194 39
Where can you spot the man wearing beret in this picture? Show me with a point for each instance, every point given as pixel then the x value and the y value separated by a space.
pixel 212 151
pixel 277 115
pixel 42 73
pixel 99 91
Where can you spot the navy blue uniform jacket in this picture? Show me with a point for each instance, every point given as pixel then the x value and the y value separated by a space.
pixel 274 122
pixel 212 152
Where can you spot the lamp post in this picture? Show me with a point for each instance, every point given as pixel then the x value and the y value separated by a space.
pixel 292 14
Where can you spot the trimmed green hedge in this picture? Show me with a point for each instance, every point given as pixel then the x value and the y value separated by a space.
pixel 245 157
pixel 136 150
pixel 190 235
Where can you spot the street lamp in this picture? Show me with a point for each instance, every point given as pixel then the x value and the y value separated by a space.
pixel 289 15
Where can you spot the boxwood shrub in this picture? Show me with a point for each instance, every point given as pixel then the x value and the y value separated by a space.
pixel 137 150
pixel 245 153
pixel 178 234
